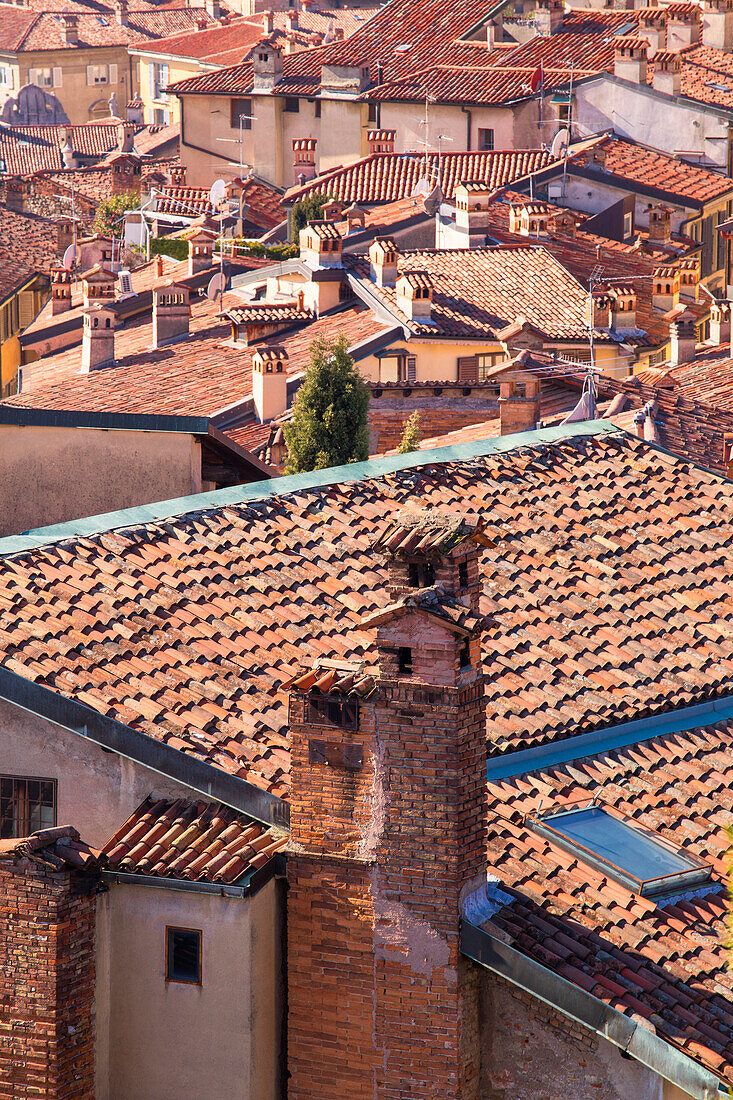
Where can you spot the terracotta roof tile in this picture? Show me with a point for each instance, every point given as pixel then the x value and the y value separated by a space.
pixel 25 31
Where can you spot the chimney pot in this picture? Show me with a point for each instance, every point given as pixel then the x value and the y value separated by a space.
pixel 171 312
pixel 98 338
pixel 269 382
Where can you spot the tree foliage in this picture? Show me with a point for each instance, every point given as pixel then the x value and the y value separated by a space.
pixel 306 210
pixel 411 434
pixel 110 211
pixel 329 423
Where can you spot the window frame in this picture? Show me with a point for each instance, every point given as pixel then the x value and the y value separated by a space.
pixel 169 928
pixel 291 104
pixel 15 779
pixel 240 107
pixel 483 148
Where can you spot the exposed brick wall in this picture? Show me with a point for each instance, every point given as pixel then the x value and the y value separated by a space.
pixel 439 412
pixel 383 840
pixel 47 984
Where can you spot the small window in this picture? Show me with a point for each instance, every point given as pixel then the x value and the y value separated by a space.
pixel 463 574
pixel 485 140
pixel 373 113
pixel 26 805
pixel 421 574
pixel 183 955
pixel 241 114
pixel 292 104
pixel 622 851
pixel 318 108
pixel 404 659
pixel 464 655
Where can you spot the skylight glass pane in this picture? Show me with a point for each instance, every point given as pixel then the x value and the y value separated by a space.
pixel 623 852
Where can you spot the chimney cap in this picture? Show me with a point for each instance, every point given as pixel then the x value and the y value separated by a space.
pixel 429 533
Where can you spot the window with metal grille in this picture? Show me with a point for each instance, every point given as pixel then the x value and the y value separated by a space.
pixel 26 805
pixel 183 955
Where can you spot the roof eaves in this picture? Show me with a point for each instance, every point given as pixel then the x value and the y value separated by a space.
pixel 600 175
pixel 631 1037
pixel 654 93
pixel 109 421
pixel 160 511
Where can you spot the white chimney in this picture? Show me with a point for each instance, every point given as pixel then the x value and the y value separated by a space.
pixel 98 338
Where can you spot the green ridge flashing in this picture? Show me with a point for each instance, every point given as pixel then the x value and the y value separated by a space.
pixel 161 511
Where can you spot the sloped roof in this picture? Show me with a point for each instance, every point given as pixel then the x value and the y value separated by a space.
pixel 27 149
pixel 608 593
pixel 26 31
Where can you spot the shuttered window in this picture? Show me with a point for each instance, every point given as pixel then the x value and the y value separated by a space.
pixel 468 368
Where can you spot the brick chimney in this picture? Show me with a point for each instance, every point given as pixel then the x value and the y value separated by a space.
pixel 665 287
pixel 622 307
pixel 414 295
pixel 98 285
pixel 388 823
pixel 689 270
pixel 320 245
pixel 629 59
pixel 381 141
pixel 267 66
pixel 667 75
pixel 171 312
pixel 548 16
pixel 530 219
pixel 70 25
pixel 683 26
pixel 98 338
pixel 653 27
pixel 269 382
pixel 64 233
pixel 125 137
pixel 598 309
pixel 683 340
pixel 47 928
pixel 332 211
pixel 200 251
pixel 383 261
pixel 728 454
pixel 177 174
pixel 16 193
pixel 304 159
pixel 60 290
pixel 720 327
pixel 519 398
pixel 660 224
pixel 717 24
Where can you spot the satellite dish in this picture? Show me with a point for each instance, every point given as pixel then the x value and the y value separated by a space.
pixel 432 201
pixel 71 255
pixel 560 143
pixel 422 189
pixel 217 192
pixel 216 286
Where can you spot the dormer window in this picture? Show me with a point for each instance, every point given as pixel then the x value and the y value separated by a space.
pixel 421 574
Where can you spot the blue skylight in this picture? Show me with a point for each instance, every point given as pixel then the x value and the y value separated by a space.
pixel 624 853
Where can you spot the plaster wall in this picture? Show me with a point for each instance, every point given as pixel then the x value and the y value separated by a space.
pixel 178 69
pixel 342 134
pixel 48 475
pixel 514 128
pixel 170 1039
pixel 660 122
pixel 75 95
pixel 592 197
pixel 529 1050
pixel 205 123
pixel 96 790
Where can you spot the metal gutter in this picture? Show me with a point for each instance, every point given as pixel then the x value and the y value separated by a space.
pixel 634 732
pixel 181 884
pixel 213 782
pixel 277 487
pixel 657 1054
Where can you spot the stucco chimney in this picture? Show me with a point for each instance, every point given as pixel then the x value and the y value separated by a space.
pixel 667 75
pixel 414 295
pixel 683 27
pixel 320 245
pixel 548 16
pixel 213 9
pixel 121 12
pixel 683 335
pixel 269 382
pixel 623 307
pixel 653 27
pixel 639 419
pixel 717 24
pixel 98 338
pixel 383 261
pixel 171 313
pixel 98 285
pixel 60 290
pixel 720 323
pixel 267 66
pixel 381 141
pixel 665 288
pixel 689 270
pixel 200 251
pixel 125 137
pixel 268 22
pixel 629 59
pixel 291 20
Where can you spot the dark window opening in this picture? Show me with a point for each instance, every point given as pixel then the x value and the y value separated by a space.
pixel 318 109
pixel 373 113
pixel 485 140
pixel 241 109
pixel 421 574
pixel 333 710
pixel 464 656
pixel 26 805
pixel 404 658
pixel 463 574
pixel 183 955
pixel 292 104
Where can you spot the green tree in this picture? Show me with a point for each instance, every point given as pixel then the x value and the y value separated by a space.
pixel 411 434
pixel 306 210
pixel 329 422
pixel 111 210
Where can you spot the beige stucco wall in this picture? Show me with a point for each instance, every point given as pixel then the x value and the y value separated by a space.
pixel 178 69
pixel 96 791
pixel 48 475
pixel 75 95
pixel 159 1040
pixel 206 119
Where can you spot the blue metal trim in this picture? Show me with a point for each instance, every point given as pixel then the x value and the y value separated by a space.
pixel 608 739
pixel 277 487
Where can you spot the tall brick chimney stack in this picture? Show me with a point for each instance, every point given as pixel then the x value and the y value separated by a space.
pixel 48 888
pixel 388 820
